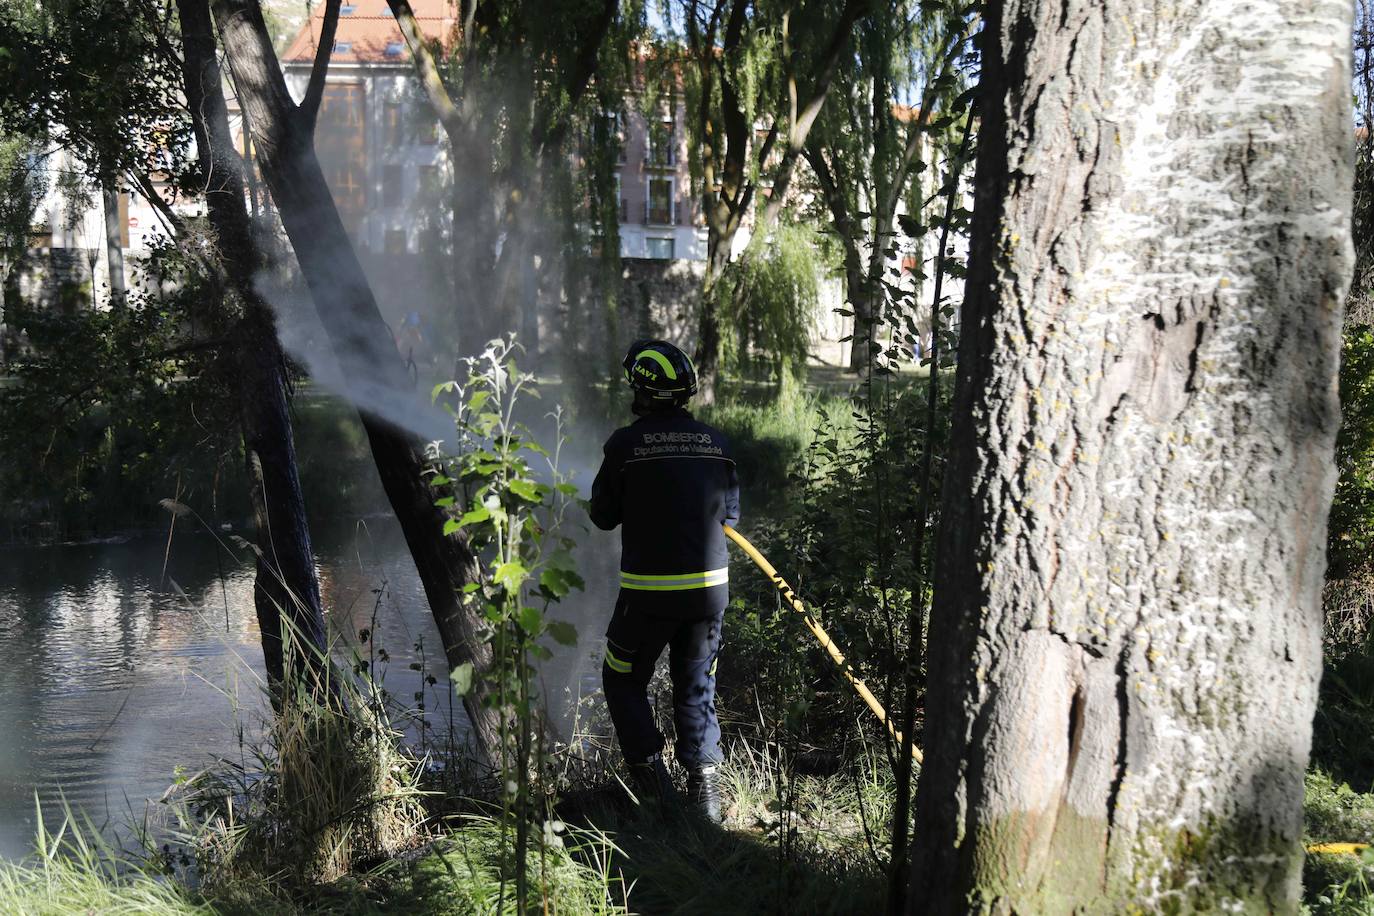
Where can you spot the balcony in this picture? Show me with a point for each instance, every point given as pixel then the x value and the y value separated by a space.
pixel 661 216
pixel 660 158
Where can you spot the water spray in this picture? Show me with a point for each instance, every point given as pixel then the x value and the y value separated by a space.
pixel 821 636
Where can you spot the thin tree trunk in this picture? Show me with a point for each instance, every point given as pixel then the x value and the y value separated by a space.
pixel 361 341
pixel 861 300
pixel 1126 630
pixel 114 251
pixel 913 682
pixel 286 579
pixel 707 358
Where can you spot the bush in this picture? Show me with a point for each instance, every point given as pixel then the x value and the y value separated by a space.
pixel 1337 884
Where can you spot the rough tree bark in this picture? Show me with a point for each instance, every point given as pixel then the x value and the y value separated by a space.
pixel 1126 632
pixel 361 340
pixel 286 578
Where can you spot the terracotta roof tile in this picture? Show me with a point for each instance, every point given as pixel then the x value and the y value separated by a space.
pixel 366 35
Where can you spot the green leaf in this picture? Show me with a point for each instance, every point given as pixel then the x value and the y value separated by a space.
pixel 567 489
pixel 477 400
pixel 510 575
pixel 451 526
pixel 526 489
pixel 554 581
pixel 462 678
pixel 474 516
pixel 530 620
pixel 441 388
pixel 444 502
pixel 563 633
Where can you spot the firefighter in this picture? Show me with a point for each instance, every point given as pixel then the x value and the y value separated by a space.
pixel 669 481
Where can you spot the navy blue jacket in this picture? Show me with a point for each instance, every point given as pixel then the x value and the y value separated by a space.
pixel 670 482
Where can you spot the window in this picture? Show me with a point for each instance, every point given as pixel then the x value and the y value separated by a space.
pixel 394 48
pixel 386 11
pixel 658 207
pixel 661 249
pixel 615 131
pixel 429 179
pixel 343 47
pixel 621 201
pixel 346 9
pixel 391 186
pixel 393 134
pixel 661 148
pixel 342 142
pixel 395 241
pixel 429 133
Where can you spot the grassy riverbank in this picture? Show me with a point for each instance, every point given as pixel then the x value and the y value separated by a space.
pixel 807 774
pixel 607 857
pixel 601 854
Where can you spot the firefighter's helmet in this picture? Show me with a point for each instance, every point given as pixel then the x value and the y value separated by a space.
pixel 660 373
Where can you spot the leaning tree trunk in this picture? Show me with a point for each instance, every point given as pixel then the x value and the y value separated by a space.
pixel 1125 642
pixel 286 581
pixel 360 338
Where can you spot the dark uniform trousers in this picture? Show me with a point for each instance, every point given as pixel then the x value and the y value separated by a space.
pixel 635 639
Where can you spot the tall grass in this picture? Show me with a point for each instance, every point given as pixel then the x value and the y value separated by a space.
pixel 73 870
pixel 332 792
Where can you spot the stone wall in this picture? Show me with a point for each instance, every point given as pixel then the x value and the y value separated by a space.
pixel 55 278
pixel 661 299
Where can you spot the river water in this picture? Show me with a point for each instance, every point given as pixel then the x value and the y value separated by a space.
pixel 123 661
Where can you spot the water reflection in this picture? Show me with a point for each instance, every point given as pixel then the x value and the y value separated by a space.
pixel 110 679
pixel 115 672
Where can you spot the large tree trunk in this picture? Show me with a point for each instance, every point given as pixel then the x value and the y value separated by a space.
pixel 361 341
pixel 286 578
pixel 1126 631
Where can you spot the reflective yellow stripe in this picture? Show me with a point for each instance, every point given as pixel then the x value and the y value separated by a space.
pixel 661 360
pixel 615 664
pixel 676 582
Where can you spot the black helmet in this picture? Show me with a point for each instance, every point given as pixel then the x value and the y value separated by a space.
pixel 659 373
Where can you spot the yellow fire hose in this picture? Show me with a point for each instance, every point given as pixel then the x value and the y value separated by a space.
pixel 1338 849
pixel 821 636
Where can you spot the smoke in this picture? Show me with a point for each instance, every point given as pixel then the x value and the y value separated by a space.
pixel 411 250
pixel 365 385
